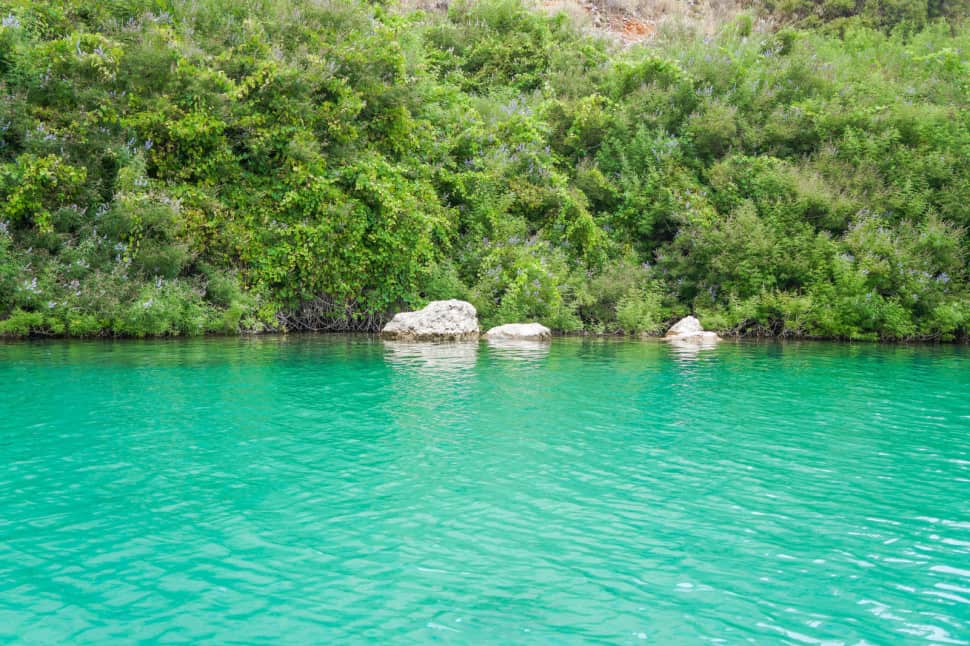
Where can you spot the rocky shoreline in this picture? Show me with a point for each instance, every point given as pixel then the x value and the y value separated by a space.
pixel 455 320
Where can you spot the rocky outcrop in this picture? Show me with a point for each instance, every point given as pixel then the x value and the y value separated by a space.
pixel 440 321
pixel 520 332
pixel 689 330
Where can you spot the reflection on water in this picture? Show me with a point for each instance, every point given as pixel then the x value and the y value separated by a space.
pixel 449 356
pixel 691 349
pixel 434 356
pixel 518 349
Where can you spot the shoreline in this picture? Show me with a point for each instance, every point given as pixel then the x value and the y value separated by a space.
pixel 725 338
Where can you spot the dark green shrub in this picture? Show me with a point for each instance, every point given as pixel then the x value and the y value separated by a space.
pixel 21 323
pixel 231 164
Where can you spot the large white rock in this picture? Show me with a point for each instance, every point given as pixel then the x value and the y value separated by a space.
pixel 441 320
pixel 520 331
pixel 689 330
pixel 687 325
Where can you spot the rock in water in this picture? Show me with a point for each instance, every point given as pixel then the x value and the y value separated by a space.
pixel 689 330
pixel 440 321
pixel 688 325
pixel 522 331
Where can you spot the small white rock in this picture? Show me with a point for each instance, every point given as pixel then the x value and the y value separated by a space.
pixel 522 331
pixel 689 330
pixel 687 325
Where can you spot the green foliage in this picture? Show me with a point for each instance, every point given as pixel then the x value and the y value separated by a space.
pixel 21 323
pixel 183 168
pixel 713 129
pixel 882 14
pixel 171 309
pixel 524 283
pixel 33 185
pixel 641 310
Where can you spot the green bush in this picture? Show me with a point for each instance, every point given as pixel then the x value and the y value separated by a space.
pixel 21 323
pixel 224 167
pixel 170 309
pixel 640 311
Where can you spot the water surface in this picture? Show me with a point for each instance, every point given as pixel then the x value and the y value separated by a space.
pixel 319 489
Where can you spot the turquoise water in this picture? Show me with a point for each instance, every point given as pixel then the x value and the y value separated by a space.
pixel 321 489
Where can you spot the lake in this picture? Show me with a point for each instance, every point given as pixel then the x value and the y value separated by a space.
pixel 314 489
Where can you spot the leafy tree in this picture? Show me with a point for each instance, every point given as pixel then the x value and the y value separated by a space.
pixel 181 168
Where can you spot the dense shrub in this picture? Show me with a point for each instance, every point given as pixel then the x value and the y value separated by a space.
pixel 181 168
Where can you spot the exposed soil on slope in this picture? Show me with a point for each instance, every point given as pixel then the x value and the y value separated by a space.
pixel 630 21
pixel 624 24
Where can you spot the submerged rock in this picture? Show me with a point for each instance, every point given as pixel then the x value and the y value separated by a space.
pixel 689 330
pixel 452 320
pixel 520 331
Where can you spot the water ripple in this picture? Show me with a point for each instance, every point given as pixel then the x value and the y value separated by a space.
pixel 581 491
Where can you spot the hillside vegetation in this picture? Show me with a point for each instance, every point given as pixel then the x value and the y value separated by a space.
pixel 224 166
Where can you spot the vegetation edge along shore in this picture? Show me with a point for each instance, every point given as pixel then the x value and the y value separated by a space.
pixel 183 168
